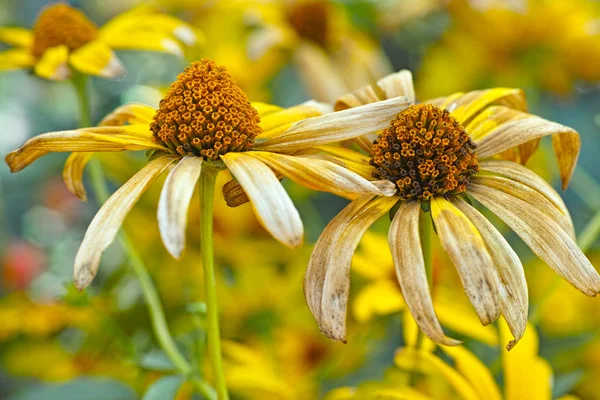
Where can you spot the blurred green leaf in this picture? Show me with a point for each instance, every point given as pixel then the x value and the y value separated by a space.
pixel 565 383
pixel 165 388
pixel 81 388
pixel 156 360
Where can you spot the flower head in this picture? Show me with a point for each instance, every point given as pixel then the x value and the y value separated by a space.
pixel 437 155
pixel 63 38
pixel 204 121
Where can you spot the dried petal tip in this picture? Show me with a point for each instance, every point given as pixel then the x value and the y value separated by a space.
pixel 205 114
pixel 425 152
pixel 61 24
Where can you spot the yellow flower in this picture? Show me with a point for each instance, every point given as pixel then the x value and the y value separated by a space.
pixel 548 44
pixel 64 38
pixel 204 121
pixel 526 376
pixel 436 153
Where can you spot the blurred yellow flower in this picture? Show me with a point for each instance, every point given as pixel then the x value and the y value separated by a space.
pixel 528 43
pixel 436 153
pixel 64 38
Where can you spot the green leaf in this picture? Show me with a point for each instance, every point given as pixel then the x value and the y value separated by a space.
pixel 156 360
pixel 81 388
pixel 165 388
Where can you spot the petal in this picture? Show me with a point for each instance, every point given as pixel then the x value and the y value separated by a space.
pixel 321 175
pixel 96 58
pixel 378 298
pixel 234 194
pixel 476 372
pixel 87 139
pixel 265 109
pixel 327 278
pixel 515 301
pixel 108 220
pixel 544 236
pixel 16 58
pixel 73 173
pixel 468 252
pixel 516 129
pixel 143 40
pixel 132 113
pixel 15 36
pixel 336 126
pixel 464 107
pixel 321 78
pixel 275 123
pixel 359 97
pixel 353 160
pixel 398 84
pixel 529 195
pixel 271 203
pixel 174 203
pixel 53 64
pixel 405 244
pixel 461 318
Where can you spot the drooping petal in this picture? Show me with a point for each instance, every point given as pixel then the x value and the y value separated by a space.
pixel 466 106
pixel 327 278
pixel 16 36
pixel 359 97
pixel 15 59
pixel 336 126
pixel 96 58
pixel 503 129
pixel 144 40
pixel 105 225
pixel 529 195
pixel 148 21
pixel 475 371
pixel 132 113
pixel 398 84
pixel 174 203
pixel 405 244
pixel 271 203
pixel 321 175
pixel 514 295
pixel 86 140
pixel 275 123
pixel 54 64
pixel 73 173
pixel 468 253
pixel 543 235
pixel 381 297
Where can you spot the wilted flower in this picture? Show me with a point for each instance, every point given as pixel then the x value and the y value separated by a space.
pixel 436 153
pixel 205 120
pixel 63 36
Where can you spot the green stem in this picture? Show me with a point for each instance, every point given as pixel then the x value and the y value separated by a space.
pixel 207 191
pixel 426 234
pixel 80 81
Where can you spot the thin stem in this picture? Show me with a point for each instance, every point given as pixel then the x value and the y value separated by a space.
pixel 80 81
pixel 207 190
pixel 425 233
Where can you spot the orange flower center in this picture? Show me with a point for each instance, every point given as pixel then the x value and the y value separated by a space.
pixel 311 21
pixel 426 152
pixel 205 114
pixel 61 24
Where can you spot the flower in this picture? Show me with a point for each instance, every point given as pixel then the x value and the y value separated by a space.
pixel 204 121
pixel 63 36
pixel 548 45
pixel 437 153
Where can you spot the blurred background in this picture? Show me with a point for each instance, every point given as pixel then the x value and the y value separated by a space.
pixel 58 343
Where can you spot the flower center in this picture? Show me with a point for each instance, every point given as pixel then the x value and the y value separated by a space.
pixel 61 24
pixel 426 152
pixel 205 113
pixel 310 19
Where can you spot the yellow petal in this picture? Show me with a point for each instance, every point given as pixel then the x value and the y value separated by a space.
pixel 543 235
pixel 526 375
pixel 336 126
pixel 86 140
pixel 16 58
pixel 461 318
pixel 265 109
pixel 108 220
pixel 144 40
pixel 73 173
pixel 320 175
pixel 327 278
pixel 398 84
pixel 174 202
pixel 141 22
pixel 475 371
pixel 272 205
pixel 468 253
pixel 53 64
pixel 378 298
pixel 15 36
pixel 277 122
pixel 96 58
pixel 133 113
pixel 405 244
pixel 515 301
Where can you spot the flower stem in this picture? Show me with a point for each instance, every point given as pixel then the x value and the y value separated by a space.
pixel 80 81
pixel 207 190
pixel 425 234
